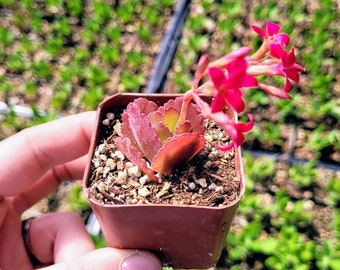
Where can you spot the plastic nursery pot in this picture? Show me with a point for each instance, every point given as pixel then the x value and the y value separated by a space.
pixel 181 236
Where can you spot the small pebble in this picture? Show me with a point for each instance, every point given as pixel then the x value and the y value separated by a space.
pixel 119 154
pixel 192 185
pixel 110 116
pixel 103 157
pixel 120 165
pixel 144 179
pixel 106 122
pixel 101 148
pixel 122 175
pixel 134 170
pixel 202 182
pixel 212 186
pixel 110 163
pixel 143 192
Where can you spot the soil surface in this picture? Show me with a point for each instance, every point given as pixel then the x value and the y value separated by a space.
pixel 209 179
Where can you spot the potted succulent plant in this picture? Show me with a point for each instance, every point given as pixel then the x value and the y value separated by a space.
pixel 165 172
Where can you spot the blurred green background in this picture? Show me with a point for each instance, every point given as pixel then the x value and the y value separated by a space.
pixel 63 57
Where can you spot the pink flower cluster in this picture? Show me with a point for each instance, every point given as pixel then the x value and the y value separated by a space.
pixel 238 70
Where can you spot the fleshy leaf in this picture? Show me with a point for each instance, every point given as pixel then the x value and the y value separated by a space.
pixel 170 118
pixel 134 156
pixel 163 132
pixel 126 130
pixel 184 127
pixel 145 106
pixel 172 103
pixel 155 117
pixel 158 116
pixel 144 134
pixel 177 150
pixel 196 119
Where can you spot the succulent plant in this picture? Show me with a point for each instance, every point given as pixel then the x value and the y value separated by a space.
pixel 157 135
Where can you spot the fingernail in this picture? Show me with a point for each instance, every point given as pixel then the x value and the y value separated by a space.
pixel 140 261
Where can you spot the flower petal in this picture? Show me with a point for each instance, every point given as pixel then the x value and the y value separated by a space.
pixel 283 39
pixel 218 77
pixel 235 100
pixel 272 28
pixel 218 103
pixel 259 31
pixel 275 91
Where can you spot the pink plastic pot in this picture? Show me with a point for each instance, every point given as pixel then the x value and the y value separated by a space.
pixel 181 236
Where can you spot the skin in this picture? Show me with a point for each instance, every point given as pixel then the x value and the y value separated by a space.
pixel 34 162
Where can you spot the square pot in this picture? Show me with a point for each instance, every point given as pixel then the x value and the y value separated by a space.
pixel 182 236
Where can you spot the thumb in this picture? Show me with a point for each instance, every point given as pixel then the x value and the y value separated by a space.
pixel 111 258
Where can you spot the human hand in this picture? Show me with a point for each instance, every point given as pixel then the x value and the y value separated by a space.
pixel 34 162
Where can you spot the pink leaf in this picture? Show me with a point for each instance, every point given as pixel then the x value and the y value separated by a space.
pixel 185 127
pixel 144 134
pixel 177 150
pixel 134 156
pixel 163 132
pixel 126 130
pixel 196 119
pixel 155 117
pixel 170 118
pixel 145 105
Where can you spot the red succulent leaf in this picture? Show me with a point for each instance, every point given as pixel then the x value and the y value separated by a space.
pixel 183 128
pixel 159 135
pixel 170 118
pixel 155 117
pixel 143 133
pixel 167 115
pixel 145 106
pixel 172 103
pixel 132 153
pixel 196 119
pixel 163 132
pixel 126 130
pixel 177 150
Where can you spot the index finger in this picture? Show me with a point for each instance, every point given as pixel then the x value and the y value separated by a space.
pixel 29 154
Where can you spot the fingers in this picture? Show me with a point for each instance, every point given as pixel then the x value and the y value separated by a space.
pixel 58 237
pixel 29 154
pixel 110 258
pixel 48 183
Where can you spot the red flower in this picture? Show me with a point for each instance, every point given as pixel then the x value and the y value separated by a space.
pixel 288 67
pixel 271 35
pixel 228 84
pixel 235 130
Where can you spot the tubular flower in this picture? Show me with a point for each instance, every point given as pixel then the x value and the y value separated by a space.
pixel 288 67
pixel 235 130
pixel 271 35
pixel 227 85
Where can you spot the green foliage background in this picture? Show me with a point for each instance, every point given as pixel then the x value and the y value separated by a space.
pixel 63 57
